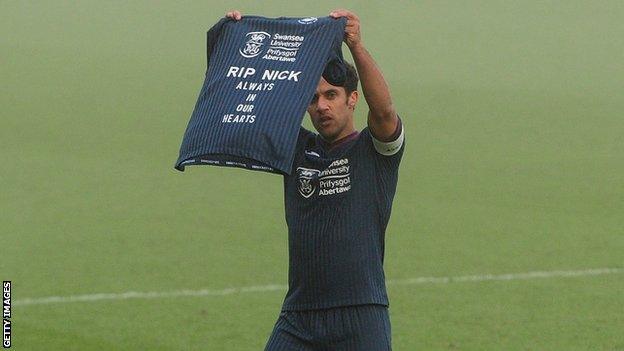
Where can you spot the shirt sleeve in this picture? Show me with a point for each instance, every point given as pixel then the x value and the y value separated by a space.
pixel 387 158
pixel 389 148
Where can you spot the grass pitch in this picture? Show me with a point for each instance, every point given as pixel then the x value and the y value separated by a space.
pixel 514 163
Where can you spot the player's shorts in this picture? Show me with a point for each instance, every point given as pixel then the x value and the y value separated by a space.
pixel 351 328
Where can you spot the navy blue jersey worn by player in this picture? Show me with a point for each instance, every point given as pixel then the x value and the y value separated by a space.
pixel 338 202
pixel 261 76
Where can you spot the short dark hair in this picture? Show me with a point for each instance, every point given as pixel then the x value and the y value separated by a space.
pixel 351 81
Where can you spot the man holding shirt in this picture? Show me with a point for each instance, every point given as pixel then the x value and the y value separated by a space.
pixel 338 201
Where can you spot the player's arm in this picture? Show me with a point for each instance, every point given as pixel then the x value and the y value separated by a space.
pixel 383 121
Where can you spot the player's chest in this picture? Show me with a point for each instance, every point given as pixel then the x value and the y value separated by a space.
pixel 316 179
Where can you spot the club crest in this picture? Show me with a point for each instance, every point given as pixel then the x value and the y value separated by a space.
pixel 254 43
pixel 307 178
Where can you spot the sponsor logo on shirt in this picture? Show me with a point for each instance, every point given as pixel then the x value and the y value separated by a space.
pixel 335 179
pixel 279 47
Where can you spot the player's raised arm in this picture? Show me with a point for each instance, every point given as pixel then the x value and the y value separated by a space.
pixel 382 117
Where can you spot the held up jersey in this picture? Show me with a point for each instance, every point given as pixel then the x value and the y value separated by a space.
pixel 262 74
pixel 337 207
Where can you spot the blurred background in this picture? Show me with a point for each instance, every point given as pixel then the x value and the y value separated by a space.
pixel 514 163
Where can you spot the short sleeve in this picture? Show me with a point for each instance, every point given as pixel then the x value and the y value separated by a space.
pixel 389 148
pixel 386 170
pixel 389 161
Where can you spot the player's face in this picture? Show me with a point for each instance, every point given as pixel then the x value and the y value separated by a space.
pixel 331 111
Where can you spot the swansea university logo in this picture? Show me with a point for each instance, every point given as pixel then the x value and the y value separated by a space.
pixel 306 177
pixel 254 43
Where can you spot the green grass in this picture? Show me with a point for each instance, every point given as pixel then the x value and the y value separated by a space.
pixel 514 163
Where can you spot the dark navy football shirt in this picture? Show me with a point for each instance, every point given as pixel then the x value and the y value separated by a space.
pixel 337 204
pixel 261 76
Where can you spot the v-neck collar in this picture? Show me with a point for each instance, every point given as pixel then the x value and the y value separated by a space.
pixel 333 146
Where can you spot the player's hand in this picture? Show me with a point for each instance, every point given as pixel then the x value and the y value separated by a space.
pixel 352 36
pixel 234 14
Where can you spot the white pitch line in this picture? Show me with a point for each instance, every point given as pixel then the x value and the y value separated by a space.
pixel 277 287
pixel 509 276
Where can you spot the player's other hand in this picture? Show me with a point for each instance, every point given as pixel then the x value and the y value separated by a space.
pixel 352 35
pixel 234 14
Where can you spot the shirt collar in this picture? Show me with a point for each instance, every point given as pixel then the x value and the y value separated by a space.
pixel 330 146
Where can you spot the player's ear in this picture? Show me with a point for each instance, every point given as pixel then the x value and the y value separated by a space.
pixel 352 99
